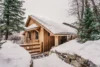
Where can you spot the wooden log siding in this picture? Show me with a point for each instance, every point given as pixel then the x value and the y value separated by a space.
pixel 48 41
pixel 33 48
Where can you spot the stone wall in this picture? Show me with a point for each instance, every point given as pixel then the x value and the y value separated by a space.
pixel 75 60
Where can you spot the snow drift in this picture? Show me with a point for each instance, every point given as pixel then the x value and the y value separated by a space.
pixel 12 55
pixel 51 61
pixel 89 50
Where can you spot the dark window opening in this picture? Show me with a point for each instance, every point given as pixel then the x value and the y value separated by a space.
pixel 29 34
pixel 36 35
pixel 63 39
pixel 48 34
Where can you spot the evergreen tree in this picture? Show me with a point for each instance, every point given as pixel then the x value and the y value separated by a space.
pixel 89 28
pixel 1 10
pixel 12 17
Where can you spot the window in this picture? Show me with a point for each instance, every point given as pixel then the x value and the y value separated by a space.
pixel 36 35
pixel 48 34
pixel 29 35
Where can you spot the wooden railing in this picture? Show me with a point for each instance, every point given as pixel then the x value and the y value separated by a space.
pixel 35 48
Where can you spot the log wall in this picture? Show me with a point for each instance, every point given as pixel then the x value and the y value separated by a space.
pixel 48 41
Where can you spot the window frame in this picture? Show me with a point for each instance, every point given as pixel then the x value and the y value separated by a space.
pixel 36 35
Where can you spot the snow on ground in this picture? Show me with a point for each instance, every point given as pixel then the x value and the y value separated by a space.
pixel 51 61
pixel 89 50
pixel 12 55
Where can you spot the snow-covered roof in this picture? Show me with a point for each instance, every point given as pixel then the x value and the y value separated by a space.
pixel 31 27
pixel 55 28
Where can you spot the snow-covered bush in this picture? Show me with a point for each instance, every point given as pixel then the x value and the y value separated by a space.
pixel 16 39
pixel 1 43
pixel 12 55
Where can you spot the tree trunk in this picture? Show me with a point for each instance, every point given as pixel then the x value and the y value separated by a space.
pixel 6 35
pixel 95 10
pixel 82 11
pixel 7 28
pixel 78 10
pixel 86 4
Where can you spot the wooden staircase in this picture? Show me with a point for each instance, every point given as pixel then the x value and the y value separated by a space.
pixel 34 48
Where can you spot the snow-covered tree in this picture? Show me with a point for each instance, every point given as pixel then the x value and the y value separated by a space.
pixel 12 17
pixel 89 28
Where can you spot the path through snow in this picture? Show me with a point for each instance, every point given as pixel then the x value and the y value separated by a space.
pixel 51 61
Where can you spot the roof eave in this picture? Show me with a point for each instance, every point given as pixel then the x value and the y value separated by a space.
pixel 61 34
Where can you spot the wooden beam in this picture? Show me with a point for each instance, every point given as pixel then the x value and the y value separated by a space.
pixel 41 37
pixel 56 40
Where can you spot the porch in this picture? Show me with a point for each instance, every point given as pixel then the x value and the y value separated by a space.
pixel 33 48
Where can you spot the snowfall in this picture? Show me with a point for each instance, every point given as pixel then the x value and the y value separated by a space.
pixel 89 50
pixel 12 55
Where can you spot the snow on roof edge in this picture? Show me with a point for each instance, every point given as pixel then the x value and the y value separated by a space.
pixel 61 32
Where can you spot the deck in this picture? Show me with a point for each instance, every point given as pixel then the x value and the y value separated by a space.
pixel 33 48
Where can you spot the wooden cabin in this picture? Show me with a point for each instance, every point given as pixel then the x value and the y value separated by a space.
pixel 42 34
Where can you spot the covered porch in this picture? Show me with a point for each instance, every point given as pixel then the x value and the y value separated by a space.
pixel 60 39
pixel 32 41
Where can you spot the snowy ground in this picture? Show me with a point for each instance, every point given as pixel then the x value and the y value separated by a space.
pixel 12 55
pixel 51 61
pixel 89 50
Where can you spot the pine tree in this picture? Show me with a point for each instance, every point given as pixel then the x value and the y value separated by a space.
pixel 89 28
pixel 12 17
pixel 1 10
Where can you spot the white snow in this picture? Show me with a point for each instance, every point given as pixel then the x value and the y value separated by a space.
pixel 31 27
pixel 51 61
pixel 12 55
pixel 54 27
pixel 89 50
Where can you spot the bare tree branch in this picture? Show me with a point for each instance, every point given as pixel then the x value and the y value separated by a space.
pixel 70 25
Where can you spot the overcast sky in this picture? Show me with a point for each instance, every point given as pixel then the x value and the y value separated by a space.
pixel 56 10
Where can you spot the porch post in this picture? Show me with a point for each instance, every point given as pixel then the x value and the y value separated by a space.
pixel 42 38
pixel 56 41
